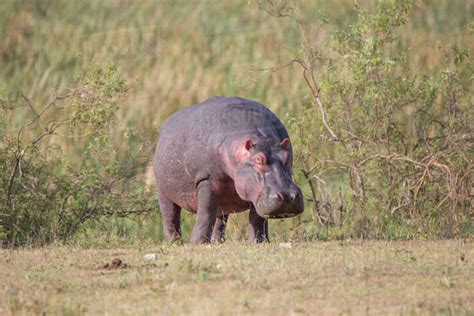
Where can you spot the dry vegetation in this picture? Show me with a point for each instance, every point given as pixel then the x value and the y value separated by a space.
pixel 414 277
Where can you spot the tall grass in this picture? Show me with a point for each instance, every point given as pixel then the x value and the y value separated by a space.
pixel 178 52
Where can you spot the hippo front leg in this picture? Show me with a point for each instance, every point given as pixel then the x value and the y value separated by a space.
pixel 258 227
pixel 206 213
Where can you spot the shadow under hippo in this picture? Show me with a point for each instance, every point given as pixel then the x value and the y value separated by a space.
pixel 221 156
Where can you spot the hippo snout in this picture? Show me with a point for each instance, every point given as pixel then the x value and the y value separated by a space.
pixel 281 204
pixel 287 197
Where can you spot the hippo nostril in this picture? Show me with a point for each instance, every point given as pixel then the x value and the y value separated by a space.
pixel 295 196
pixel 280 196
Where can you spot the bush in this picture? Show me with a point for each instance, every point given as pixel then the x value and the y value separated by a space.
pixel 382 152
pixel 45 195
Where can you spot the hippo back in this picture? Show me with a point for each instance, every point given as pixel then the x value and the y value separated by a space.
pixel 219 118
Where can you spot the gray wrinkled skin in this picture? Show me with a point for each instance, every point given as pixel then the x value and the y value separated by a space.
pixel 221 156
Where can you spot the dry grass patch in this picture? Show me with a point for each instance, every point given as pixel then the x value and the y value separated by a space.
pixel 415 277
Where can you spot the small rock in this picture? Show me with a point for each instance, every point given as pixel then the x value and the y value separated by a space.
pixel 150 256
pixel 286 245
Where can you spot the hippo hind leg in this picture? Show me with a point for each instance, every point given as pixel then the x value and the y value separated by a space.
pixel 171 215
pixel 218 232
pixel 258 227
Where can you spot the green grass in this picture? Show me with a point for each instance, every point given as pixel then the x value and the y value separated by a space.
pixel 415 277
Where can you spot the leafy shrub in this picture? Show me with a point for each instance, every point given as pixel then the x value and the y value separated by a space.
pixel 382 152
pixel 44 194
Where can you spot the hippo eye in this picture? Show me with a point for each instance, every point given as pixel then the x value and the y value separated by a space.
pixel 260 160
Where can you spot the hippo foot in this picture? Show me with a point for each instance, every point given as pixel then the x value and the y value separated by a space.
pixel 258 240
pixel 174 239
pixel 258 228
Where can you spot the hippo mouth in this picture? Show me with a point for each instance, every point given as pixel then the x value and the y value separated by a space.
pixel 280 216
pixel 278 212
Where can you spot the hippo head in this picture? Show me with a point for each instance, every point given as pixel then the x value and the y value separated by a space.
pixel 263 177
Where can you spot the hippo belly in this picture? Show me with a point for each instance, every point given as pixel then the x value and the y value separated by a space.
pixel 229 200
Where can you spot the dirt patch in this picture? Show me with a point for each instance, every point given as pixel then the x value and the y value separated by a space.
pixel 114 265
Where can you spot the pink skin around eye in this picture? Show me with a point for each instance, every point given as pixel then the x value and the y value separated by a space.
pixel 260 161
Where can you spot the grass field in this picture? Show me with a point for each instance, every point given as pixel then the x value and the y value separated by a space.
pixel 414 277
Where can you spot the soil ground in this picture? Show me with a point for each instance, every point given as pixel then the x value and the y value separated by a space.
pixel 350 277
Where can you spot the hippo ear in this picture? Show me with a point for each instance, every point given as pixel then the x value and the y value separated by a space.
pixel 285 143
pixel 248 144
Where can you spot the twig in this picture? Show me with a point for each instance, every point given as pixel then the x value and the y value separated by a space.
pixel 22 152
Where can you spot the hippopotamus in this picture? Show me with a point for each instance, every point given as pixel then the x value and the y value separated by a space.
pixel 221 156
